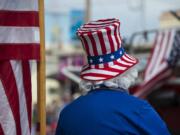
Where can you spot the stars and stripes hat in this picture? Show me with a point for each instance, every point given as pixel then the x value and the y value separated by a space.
pixel 105 55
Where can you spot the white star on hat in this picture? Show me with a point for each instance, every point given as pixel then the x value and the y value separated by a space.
pixel 91 61
pixel 112 56
pixel 120 52
pixel 100 59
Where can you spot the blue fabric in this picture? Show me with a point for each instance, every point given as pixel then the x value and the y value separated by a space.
pixel 93 60
pixel 110 112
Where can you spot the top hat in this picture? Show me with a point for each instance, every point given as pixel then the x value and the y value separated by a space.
pixel 105 55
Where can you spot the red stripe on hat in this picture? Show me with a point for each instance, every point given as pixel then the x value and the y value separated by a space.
pixel 119 35
pixel 131 58
pixel 110 39
pixel 86 45
pixel 96 75
pixel 98 25
pixel 120 64
pixel 85 68
pixel 83 44
pixel 19 18
pixel 80 32
pixel 106 65
pixel 115 34
pixel 105 20
pixel 101 39
pixel 126 60
pixel 94 26
pixel 109 68
pixel 96 66
pixel 93 44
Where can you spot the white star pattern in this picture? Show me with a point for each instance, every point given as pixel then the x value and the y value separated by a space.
pixel 120 52
pixel 112 56
pixel 91 61
pixel 100 59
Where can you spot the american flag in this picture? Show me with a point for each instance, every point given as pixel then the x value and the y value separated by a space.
pixel 164 56
pixel 19 45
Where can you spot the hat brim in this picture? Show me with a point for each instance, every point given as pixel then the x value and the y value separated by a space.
pixel 110 70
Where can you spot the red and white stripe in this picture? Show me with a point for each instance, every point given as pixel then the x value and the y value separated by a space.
pixel 157 67
pixel 104 73
pixel 107 72
pixel 102 36
pixel 99 38
pixel 19 44
pixel 19 26
pixel 161 51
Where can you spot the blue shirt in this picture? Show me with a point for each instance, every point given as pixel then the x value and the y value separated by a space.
pixel 110 112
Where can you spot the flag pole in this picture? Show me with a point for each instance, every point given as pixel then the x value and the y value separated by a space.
pixel 88 10
pixel 41 90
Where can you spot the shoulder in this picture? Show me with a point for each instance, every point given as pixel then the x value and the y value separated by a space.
pixel 71 107
pixel 116 106
pixel 108 97
pixel 104 100
pixel 151 122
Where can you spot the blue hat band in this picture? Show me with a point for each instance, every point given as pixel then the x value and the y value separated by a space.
pixel 100 59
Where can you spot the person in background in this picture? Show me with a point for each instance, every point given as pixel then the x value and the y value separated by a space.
pixel 107 108
pixel 65 100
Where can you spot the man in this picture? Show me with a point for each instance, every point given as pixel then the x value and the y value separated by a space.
pixel 108 109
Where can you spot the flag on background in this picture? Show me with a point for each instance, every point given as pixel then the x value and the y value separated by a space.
pixel 164 57
pixel 19 44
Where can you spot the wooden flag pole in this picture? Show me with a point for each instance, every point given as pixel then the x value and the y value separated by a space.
pixel 41 89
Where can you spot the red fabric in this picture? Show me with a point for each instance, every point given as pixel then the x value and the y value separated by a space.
pixel 93 44
pixel 19 18
pixel 110 39
pixel 27 87
pixel 107 68
pixel 1 130
pixel 160 46
pixel 86 46
pixel 100 36
pixel 116 28
pixel 24 51
pixel 11 90
pixel 169 35
pixel 11 19
pixel 151 54
pixel 157 69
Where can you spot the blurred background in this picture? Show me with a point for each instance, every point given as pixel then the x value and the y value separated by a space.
pixel 140 22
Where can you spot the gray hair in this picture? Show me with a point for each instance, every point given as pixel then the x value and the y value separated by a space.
pixel 123 81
